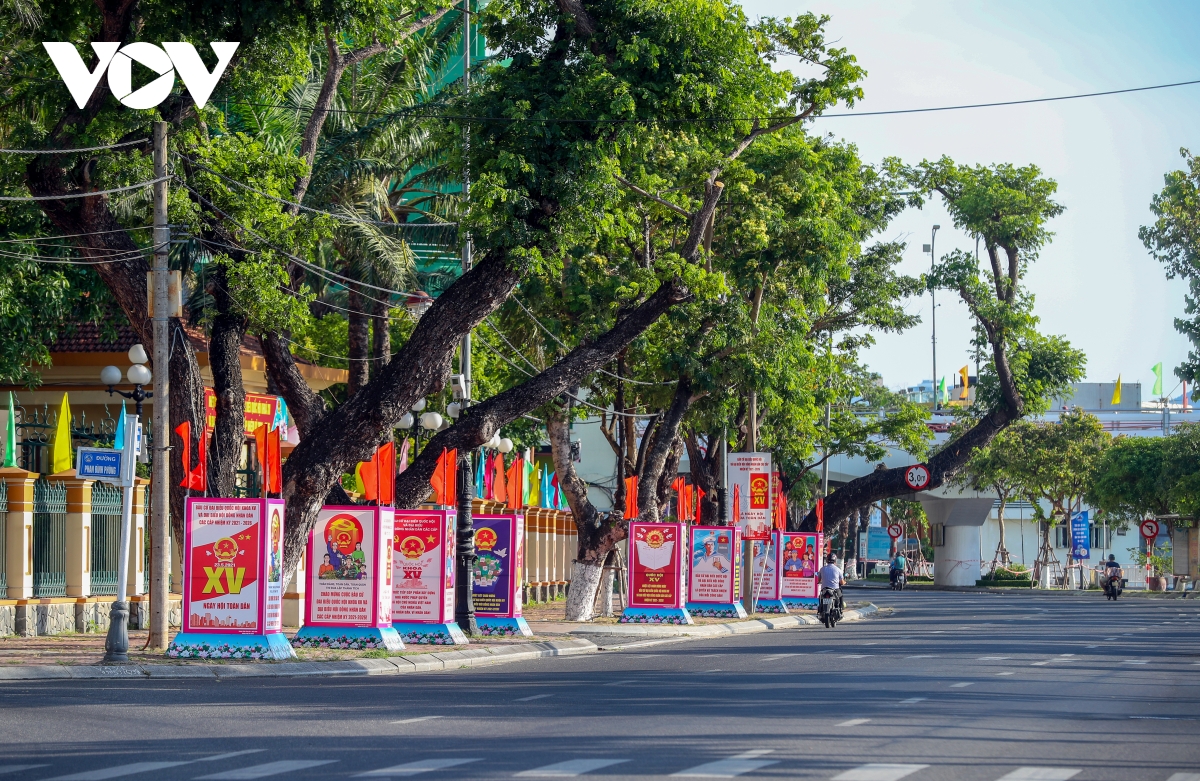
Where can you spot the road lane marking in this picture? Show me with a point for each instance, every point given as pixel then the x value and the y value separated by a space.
pixel 1040 774
pixel 879 772
pixel 267 769
pixel 1185 777
pixel 1007 673
pixel 534 697
pixel 120 771
pixel 706 672
pixel 961 685
pixel 729 768
pixel 415 768
pixel 922 656
pixel 1134 661
pixel 620 683
pixel 779 656
pixel 416 719
pixel 913 700
pixel 854 656
pixel 1039 664
pixel 570 768
pixel 17 768
pixel 230 755
pixel 993 658
pixel 850 723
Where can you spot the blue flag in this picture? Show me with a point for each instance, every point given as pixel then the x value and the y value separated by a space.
pixel 480 488
pixel 119 441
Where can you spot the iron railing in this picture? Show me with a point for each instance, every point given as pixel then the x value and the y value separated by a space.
pixel 106 537
pixel 49 539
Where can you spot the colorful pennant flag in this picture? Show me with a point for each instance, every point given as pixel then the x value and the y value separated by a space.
pixel 1157 369
pixel 736 515
pixel 966 379
pixel 481 479
pixel 193 479
pixel 61 459
pixel 1116 397
pixel 821 514
pixel 402 458
pixel 516 484
pixel 699 496
pixel 531 484
pixel 119 438
pixel 499 484
pixel 385 469
pixel 445 479
pixel 10 438
pixel 631 497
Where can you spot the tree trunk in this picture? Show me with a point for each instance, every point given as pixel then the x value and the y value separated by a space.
pixel 705 474
pixel 381 338
pixel 224 357
pixel 607 580
pixel 653 468
pixel 359 339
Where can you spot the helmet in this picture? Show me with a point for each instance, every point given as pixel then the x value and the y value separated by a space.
pixel 832 558
pixel 1112 557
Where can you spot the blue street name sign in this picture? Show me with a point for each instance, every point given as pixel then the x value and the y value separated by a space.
pixel 96 463
pixel 1081 537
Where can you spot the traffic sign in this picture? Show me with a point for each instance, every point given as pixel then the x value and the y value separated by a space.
pixel 917 477
pixel 1149 529
pixel 895 530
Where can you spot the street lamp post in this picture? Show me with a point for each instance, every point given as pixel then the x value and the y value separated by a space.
pixel 931 249
pixel 139 376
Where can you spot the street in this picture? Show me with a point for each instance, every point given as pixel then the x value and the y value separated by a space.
pixel 948 686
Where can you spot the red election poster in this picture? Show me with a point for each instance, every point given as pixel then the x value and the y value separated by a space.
pixel 750 474
pixel 423 567
pixel 801 561
pixel 712 575
pixel 235 576
pixel 656 565
pixel 350 574
pixel 765 560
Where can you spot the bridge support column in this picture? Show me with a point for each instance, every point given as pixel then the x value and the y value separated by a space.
pixel 957 562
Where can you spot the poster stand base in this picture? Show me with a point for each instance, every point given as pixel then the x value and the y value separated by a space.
pixel 355 638
pixel 656 615
pixel 800 603
pixel 203 645
pixel 771 606
pixel 503 627
pixel 716 609
pixel 415 633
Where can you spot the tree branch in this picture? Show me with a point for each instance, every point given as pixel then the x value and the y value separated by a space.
pixel 646 194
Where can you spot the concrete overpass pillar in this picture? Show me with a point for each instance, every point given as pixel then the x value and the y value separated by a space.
pixel 957 525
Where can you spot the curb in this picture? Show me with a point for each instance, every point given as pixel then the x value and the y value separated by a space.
pixel 392 665
pixel 713 630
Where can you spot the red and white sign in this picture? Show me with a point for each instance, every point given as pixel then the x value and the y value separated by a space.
pixel 656 566
pixel 750 473
pixel 895 531
pixel 765 566
pixel 801 562
pixel 917 477
pixel 233 566
pixel 715 558
pixel 1149 529
pixel 349 572
pixel 423 566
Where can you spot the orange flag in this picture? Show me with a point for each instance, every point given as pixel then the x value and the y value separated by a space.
pixel 736 514
pixel 385 472
pixel 699 496
pixel 821 514
pixel 193 479
pixel 516 484
pixel 260 441
pixel 779 512
pixel 368 474
pixel 275 463
pixel 445 478
pixel 499 485
pixel 631 497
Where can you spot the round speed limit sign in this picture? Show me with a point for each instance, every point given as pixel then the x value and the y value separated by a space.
pixel 917 477
pixel 1149 529
pixel 895 530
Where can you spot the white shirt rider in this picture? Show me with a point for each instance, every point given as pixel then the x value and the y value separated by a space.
pixel 831 576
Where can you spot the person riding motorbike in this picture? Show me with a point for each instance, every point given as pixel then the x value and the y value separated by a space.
pixel 1112 570
pixel 899 565
pixel 830 577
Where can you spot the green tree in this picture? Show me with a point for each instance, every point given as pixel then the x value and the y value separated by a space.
pixel 996 468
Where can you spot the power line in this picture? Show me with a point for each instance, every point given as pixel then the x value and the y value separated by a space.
pixel 67 196
pixel 72 151
pixel 38 239
pixel 128 255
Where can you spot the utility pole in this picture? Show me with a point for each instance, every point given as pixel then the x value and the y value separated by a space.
pixel 931 249
pixel 159 524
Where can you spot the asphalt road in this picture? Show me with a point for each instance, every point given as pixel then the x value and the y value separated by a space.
pixel 1021 687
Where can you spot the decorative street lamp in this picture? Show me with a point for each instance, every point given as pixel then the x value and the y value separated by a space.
pixel 139 376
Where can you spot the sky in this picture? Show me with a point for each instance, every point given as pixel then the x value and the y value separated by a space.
pixel 1095 283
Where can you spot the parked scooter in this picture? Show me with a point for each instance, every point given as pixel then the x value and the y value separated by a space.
pixel 828 609
pixel 1113 587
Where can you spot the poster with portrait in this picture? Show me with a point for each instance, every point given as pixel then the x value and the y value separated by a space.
pixel 273 618
pixel 423 566
pixel 656 565
pixel 801 561
pixel 764 560
pixel 496 576
pixel 712 575
pixel 223 566
pixel 343 567
pixel 750 481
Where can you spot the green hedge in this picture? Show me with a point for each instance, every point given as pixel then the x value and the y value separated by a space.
pixel 1004 582
pixel 884 578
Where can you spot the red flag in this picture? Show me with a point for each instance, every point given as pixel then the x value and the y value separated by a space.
pixel 260 450
pixel 385 472
pixel 699 496
pixel 445 477
pixel 736 515
pixel 193 479
pixel 779 512
pixel 821 514
pixel 631 497
pixel 499 484
pixel 275 470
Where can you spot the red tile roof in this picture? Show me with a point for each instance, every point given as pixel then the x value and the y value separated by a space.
pixel 88 338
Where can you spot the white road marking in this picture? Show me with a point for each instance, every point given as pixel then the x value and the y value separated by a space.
pixel 993 658
pixel 879 772
pixel 1134 661
pixel 534 697
pixel 1110 638
pixel 706 672
pixel 570 768
pixel 962 685
pixel 414 768
pixel 780 656
pixel 854 656
pixel 416 719
pixel 913 700
pixel 1039 664
pixel 619 683
pixel 728 768
pixel 1091 646
pixel 17 768
pixel 922 656
pixel 1040 774
pixel 120 771
pixel 230 755
pixel 1007 673
pixel 268 769
pixel 1185 777
pixel 852 723
pixel 1066 654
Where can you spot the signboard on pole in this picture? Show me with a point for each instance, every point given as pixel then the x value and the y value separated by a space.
pixel 496 576
pixel 1149 529
pixel 423 575
pixel 876 544
pixel 657 584
pixel 99 463
pixel 233 581
pixel 750 475
pixel 349 570
pixel 1081 536
pixel 765 580
pixel 801 562
pixel 715 555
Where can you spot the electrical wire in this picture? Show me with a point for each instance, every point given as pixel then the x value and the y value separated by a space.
pixel 67 196
pixel 50 259
pixel 71 151
pixel 37 239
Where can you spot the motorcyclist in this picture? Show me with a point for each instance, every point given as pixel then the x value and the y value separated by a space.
pixel 1112 569
pixel 899 564
pixel 830 577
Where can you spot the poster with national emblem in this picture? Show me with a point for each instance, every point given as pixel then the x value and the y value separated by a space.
pixel 712 576
pixel 225 561
pixel 764 559
pixel 423 566
pixel 349 572
pixel 496 577
pixel 750 482
pixel 656 566
pixel 801 561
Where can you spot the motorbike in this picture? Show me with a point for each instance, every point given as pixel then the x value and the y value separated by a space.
pixel 899 580
pixel 828 609
pixel 1113 587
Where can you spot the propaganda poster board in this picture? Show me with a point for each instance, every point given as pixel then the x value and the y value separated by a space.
pixel 751 474
pixel 423 577
pixel 498 572
pixel 801 562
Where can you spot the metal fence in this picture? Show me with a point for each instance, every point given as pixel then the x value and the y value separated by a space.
pixel 3 537
pixel 49 539
pixel 106 537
